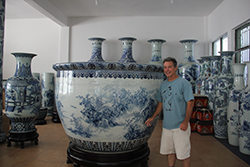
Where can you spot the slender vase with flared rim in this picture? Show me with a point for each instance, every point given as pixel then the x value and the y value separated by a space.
pixel 156 45
pixel 210 82
pixel 198 82
pixel 127 56
pixel 233 104
pixel 22 100
pixel 96 49
pixel 244 139
pixel 223 85
pixel 189 68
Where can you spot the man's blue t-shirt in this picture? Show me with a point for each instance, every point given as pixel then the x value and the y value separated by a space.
pixel 174 96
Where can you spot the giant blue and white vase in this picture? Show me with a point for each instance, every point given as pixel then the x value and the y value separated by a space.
pixel 96 49
pixel 127 56
pixel 233 104
pixel 210 81
pixel 22 96
pixel 189 68
pixel 223 85
pixel 48 86
pixel 156 45
pixel 2 19
pixel 205 73
pixel 244 139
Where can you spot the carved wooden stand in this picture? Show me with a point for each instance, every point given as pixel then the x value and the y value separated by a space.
pixel 137 158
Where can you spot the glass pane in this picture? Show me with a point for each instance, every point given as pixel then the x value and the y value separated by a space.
pixel 225 43
pixel 244 37
pixel 245 56
pixel 216 47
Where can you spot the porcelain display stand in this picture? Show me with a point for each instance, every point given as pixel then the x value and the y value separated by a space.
pixel 55 117
pixel 137 158
pixel 22 137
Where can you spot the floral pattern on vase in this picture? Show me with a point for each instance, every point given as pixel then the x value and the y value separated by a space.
pixel 127 56
pixel 210 82
pixel 233 104
pixel 189 68
pixel 244 108
pixel 156 45
pixel 223 85
pixel 22 96
pixel 48 92
pixel 96 49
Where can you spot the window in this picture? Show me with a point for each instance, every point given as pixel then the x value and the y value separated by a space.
pixel 220 44
pixel 242 45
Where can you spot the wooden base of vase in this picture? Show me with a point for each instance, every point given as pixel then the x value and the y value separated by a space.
pixel 22 137
pixel 55 117
pixel 137 158
pixel 40 122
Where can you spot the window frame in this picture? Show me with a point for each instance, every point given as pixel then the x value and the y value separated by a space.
pixel 220 38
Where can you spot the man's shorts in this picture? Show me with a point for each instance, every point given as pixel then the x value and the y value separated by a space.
pixel 176 141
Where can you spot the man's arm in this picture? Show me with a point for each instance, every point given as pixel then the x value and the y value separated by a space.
pixel 157 111
pixel 189 110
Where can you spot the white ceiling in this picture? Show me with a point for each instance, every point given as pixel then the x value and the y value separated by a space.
pixel 20 9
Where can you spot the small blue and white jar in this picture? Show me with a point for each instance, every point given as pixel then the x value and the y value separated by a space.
pixel 48 84
pixel 189 68
pixel 223 85
pixel 96 49
pixel 244 139
pixel 233 104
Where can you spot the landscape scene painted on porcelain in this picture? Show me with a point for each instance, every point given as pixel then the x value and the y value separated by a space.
pixel 116 114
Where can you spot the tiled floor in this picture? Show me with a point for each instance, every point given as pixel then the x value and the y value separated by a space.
pixel 53 142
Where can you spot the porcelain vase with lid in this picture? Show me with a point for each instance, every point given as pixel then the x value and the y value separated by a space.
pixel 223 85
pixel 156 45
pixel 244 139
pixel 189 68
pixel 233 104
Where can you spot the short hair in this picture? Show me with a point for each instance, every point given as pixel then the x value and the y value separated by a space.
pixel 170 59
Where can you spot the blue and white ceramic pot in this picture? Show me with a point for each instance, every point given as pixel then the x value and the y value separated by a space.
pixel 127 56
pixel 36 75
pixel 96 49
pixel 233 104
pixel 244 139
pixel 48 85
pixel 156 45
pixel 205 73
pixel 103 106
pixel 210 82
pixel 189 68
pixel 22 96
pixel 223 85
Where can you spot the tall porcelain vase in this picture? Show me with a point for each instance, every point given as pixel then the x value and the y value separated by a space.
pixel 210 82
pixel 48 85
pixel 223 85
pixel 22 100
pixel 233 104
pixel 205 73
pixel 244 139
pixel 156 45
pixel 127 56
pixel 189 68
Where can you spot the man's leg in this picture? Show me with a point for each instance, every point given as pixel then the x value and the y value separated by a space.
pixel 171 160
pixel 186 162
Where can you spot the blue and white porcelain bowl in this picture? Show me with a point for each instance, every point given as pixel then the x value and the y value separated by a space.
pixel 103 106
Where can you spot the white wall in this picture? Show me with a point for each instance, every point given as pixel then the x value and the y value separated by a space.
pixel 228 15
pixel 40 36
pixel 172 29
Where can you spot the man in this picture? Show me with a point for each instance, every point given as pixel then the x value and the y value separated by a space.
pixel 176 100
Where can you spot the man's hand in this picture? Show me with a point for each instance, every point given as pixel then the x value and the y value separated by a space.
pixel 148 122
pixel 184 126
